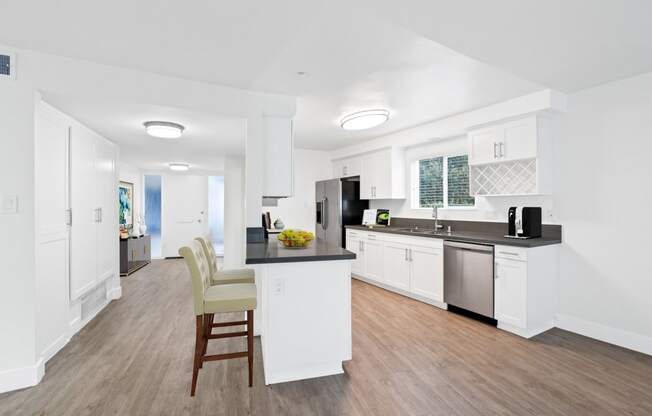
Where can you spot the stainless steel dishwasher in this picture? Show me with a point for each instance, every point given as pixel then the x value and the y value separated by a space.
pixel 469 277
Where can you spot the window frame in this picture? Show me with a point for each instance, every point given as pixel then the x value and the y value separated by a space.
pixel 414 183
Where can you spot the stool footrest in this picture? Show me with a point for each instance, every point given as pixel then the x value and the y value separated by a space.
pixel 234 323
pixel 218 357
pixel 228 335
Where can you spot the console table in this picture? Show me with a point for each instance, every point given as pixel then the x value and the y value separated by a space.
pixel 135 253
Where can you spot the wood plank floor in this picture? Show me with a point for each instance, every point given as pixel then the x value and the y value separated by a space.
pixel 409 358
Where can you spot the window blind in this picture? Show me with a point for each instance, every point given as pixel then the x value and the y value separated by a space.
pixel 431 182
pixel 458 182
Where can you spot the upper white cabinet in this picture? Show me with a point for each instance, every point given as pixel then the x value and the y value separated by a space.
pixel 278 181
pixel 512 158
pixel 345 168
pixel 504 142
pixel 383 175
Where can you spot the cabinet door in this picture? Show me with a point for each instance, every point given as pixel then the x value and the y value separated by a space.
pixel 279 158
pixel 396 265
pixel 106 197
pixel 427 274
pixel 346 168
pixel 83 249
pixel 373 258
pixel 520 140
pixel 376 176
pixel 510 292
pixel 354 245
pixel 483 145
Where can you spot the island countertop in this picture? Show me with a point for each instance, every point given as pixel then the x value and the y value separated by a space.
pixel 271 251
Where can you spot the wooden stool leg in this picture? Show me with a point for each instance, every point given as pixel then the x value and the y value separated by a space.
pixel 199 342
pixel 208 326
pixel 250 345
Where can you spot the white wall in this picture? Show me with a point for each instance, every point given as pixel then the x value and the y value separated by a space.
pixel 129 173
pixel 234 212
pixel 603 198
pixel 17 235
pixel 299 211
pixel 486 208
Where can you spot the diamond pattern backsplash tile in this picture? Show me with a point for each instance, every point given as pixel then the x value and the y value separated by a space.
pixel 516 177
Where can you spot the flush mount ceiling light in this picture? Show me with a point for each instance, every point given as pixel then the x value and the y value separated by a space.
pixel 364 119
pixel 164 129
pixel 180 167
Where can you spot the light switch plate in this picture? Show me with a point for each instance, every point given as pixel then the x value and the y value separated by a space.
pixel 9 204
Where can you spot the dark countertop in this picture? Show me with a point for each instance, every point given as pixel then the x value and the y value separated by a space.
pixel 271 251
pixel 466 236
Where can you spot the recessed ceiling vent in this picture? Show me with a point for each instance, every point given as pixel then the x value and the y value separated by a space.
pixel 6 66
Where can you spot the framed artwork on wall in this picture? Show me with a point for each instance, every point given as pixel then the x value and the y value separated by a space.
pixel 126 204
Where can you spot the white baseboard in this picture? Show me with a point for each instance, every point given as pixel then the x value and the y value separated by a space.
pixel 19 378
pixel 525 333
pixel 303 373
pixel 115 293
pixel 54 348
pixel 625 339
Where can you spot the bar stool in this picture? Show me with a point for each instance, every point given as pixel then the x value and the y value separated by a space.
pixel 224 276
pixel 211 299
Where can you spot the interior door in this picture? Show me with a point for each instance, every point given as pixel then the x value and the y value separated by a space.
pixel 106 197
pixel 184 211
pixel 396 265
pixel 83 237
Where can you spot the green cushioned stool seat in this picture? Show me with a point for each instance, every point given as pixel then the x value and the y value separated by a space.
pixel 230 298
pixel 224 276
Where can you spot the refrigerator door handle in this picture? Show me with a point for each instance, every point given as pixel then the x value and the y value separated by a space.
pixel 324 213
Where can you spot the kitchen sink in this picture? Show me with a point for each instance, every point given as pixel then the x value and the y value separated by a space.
pixel 417 230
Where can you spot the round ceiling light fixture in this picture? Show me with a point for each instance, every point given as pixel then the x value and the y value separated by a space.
pixel 179 167
pixel 164 129
pixel 364 119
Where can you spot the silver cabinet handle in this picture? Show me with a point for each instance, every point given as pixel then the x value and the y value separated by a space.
pixel 344 170
pixel 502 149
pixel 508 253
pixel 496 272
pixel 411 259
pixel 406 254
pixel 100 210
pixel 324 213
pixel 495 150
pixel 361 245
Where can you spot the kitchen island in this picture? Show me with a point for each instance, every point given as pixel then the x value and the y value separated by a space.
pixel 304 309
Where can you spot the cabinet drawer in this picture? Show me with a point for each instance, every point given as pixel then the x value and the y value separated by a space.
pixel 511 253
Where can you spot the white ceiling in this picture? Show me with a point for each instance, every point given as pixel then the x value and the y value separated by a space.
pixel 205 142
pixel 362 54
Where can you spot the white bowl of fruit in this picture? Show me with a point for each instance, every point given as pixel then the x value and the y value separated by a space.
pixel 295 238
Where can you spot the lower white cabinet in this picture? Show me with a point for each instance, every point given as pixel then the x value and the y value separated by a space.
pixel 412 266
pixel 525 289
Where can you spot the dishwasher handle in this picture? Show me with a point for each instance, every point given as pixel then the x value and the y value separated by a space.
pixel 469 246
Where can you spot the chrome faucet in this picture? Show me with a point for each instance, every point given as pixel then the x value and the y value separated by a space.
pixel 438 226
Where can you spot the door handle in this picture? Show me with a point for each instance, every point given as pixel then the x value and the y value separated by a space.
pixel 406 254
pixel 502 149
pixel 495 150
pixel 100 212
pixel 324 213
pixel 411 255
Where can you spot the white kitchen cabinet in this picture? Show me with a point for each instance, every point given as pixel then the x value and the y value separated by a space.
pixel 427 276
pixel 396 264
pixel 503 142
pixel 510 291
pixel 373 258
pixel 525 288
pixel 278 174
pixel 411 266
pixel 344 168
pixel 382 175
pixel 354 245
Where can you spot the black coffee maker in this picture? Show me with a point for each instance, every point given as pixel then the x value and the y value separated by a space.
pixel 524 223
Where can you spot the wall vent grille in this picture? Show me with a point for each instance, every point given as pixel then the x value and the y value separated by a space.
pixel 507 178
pixel 6 68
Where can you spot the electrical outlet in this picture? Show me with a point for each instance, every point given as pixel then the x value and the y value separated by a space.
pixel 9 204
pixel 278 287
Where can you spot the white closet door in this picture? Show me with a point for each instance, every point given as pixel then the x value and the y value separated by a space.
pixel 106 200
pixel 52 231
pixel 83 264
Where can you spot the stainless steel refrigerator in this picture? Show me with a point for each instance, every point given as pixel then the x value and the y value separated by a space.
pixel 338 204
